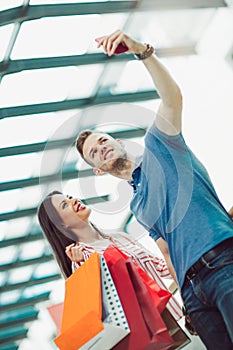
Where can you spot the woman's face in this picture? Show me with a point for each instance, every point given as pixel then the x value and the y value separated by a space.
pixel 71 210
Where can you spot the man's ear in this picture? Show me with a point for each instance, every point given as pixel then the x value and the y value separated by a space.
pixel 120 142
pixel 98 172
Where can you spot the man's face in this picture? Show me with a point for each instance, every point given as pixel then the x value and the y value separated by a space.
pixel 103 152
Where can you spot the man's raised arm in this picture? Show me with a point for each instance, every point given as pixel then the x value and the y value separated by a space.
pixel 168 118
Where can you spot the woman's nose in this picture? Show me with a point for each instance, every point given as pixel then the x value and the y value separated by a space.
pixel 74 201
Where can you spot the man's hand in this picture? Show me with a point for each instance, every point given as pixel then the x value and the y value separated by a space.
pixel 169 114
pixel 74 253
pixel 110 43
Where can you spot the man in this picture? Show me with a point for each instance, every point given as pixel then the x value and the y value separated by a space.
pixel 174 199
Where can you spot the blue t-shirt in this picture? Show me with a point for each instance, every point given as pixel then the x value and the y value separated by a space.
pixel 175 199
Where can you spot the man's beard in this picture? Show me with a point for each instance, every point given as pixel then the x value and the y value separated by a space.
pixel 117 165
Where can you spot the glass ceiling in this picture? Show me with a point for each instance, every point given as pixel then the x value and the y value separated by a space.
pixel 55 82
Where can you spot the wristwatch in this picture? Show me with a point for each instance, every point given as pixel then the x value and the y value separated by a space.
pixel 147 53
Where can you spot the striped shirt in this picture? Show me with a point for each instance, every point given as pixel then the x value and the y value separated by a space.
pixel 155 267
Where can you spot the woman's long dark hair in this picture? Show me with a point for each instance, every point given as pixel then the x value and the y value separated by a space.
pixel 50 223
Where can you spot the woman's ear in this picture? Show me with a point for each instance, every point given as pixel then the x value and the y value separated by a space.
pixel 98 172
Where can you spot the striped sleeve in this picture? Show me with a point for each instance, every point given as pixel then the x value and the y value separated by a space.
pixel 155 267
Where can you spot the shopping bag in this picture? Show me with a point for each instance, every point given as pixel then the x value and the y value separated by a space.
pixel 160 296
pixel 55 312
pixel 115 323
pixel 179 337
pixel 139 336
pixel 81 318
pixel 160 337
pixel 83 326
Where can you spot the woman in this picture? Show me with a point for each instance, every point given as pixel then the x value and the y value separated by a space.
pixel 66 225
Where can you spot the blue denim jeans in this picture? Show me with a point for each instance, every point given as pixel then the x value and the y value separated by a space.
pixel 208 298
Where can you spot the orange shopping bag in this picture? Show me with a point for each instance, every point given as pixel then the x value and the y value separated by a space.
pixel 81 319
pixel 89 291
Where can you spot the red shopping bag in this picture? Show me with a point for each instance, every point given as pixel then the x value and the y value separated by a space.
pixel 139 336
pixel 160 296
pixel 160 337
pixel 144 335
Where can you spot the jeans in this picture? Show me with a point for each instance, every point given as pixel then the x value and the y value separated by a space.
pixel 208 298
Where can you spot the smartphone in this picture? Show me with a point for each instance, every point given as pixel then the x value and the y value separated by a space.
pixel 120 48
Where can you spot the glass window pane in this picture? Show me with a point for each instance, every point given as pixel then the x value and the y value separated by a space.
pixel 17 199
pixel 32 250
pixel 46 269
pixel 7 4
pixel 48 85
pixel 58 36
pixel 171 28
pixel 8 254
pixel 17 167
pixel 14 228
pixel 3 278
pixel 55 36
pixel 22 274
pixel 131 82
pixel 14 131
pixel 9 200
pixel 9 297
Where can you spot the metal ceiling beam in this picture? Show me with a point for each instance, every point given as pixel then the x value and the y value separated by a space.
pixel 77 103
pixel 21 263
pixel 14 15
pixel 32 211
pixel 148 5
pixel 39 11
pixel 15 66
pixel 13 318
pixel 34 181
pixel 10 347
pixel 40 146
pixel 23 301
pixel 12 334
pixel 21 240
pixel 31 282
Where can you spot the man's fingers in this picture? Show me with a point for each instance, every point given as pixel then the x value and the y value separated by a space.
pixel 108 41
pixel 116 42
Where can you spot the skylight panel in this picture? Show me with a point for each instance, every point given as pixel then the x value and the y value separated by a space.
pixel 21 274
pixel 55 36
pixel 14 228
pixel 32 250
pixel 7 4
pixel 8 254
pixel 48 85
pixel 57 125
pixel 17 167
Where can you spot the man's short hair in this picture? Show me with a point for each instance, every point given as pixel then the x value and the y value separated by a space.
pixel 81 139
